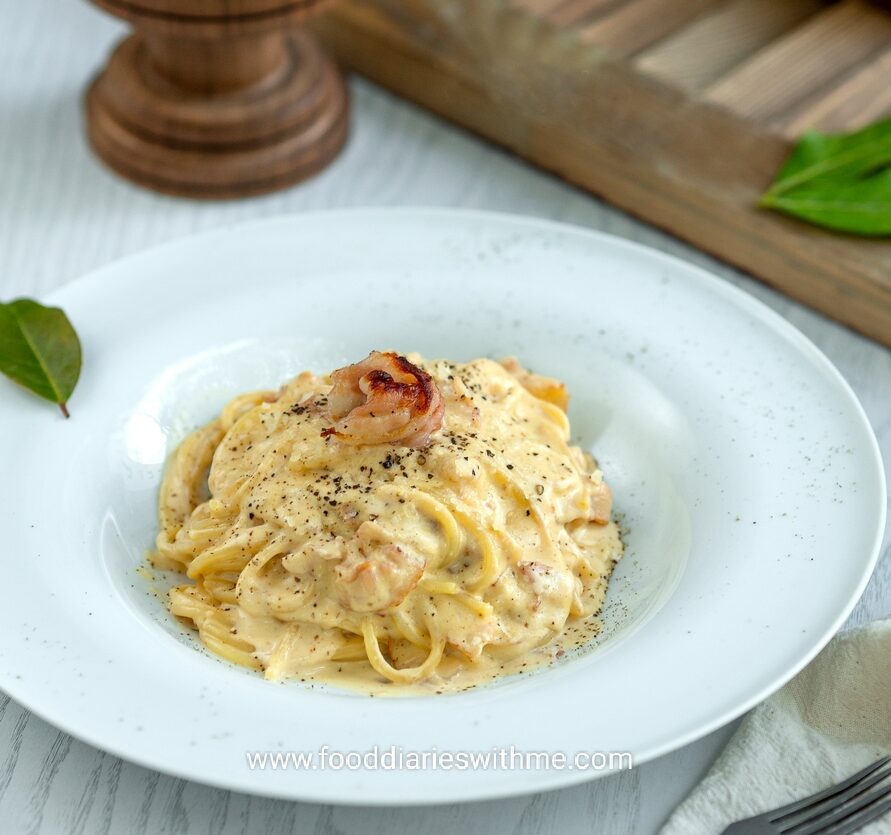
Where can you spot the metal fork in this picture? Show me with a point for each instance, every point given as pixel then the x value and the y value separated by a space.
pixel 838 810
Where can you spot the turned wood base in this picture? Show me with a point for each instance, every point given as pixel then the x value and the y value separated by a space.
pixel 221 117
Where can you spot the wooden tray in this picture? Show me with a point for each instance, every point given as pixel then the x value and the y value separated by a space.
pixel 678 111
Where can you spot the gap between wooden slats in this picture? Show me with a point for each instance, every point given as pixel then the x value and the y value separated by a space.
pixel 859 99
pixel 715 43
pixel 637 24
pixel 786 77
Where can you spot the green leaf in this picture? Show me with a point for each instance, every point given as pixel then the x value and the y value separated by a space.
pixel 40 350
pixel 861 207
pixel 819 156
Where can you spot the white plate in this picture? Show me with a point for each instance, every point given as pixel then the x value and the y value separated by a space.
pixel 743 464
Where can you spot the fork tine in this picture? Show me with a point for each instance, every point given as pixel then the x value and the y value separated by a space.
pixel 830 804
pixel 826 806
pixel 860 820
pixel 784 811
pixel 825 823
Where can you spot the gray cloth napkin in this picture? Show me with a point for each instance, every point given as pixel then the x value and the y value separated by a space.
pixel 831 720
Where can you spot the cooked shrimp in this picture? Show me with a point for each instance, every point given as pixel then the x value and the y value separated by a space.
pixel 601 502
pixel 376 573
pixel 384 399
pixel 600 497
pixel 551 586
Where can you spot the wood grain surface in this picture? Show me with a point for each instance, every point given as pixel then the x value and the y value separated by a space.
pixel 62 214
pixel 678 111
pixel 216 101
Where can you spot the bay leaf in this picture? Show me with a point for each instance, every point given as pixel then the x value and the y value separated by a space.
pixel 861 207
pixel 40 350
pixel 835 157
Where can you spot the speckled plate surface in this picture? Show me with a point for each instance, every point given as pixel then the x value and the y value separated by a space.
pixel 743 467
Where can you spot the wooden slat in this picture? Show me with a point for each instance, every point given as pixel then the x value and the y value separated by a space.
pixel 694 170
pixel 637 24
pixel 858 100
pixel 713 45
pixel 540 8
pixel 573 12
pixel 792 72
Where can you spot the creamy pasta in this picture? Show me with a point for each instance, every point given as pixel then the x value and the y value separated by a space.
pixel 398 522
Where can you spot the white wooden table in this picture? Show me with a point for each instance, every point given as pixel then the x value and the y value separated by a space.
pixel 62 214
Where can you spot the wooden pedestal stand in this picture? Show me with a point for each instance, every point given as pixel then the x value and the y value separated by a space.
pixel 217 98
